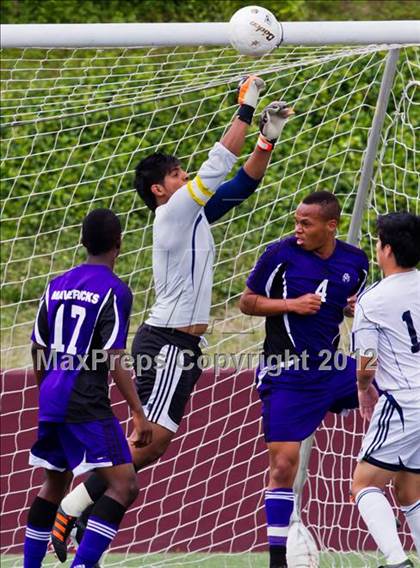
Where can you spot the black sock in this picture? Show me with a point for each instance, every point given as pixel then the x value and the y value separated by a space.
pixel 109 510
pixel 95 486
pixel 42 513
pixel 277 556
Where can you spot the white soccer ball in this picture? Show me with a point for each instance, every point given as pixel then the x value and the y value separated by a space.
pixel 302 551
pixel 254 31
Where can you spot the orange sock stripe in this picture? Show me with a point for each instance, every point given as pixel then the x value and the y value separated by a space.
pixel 58 535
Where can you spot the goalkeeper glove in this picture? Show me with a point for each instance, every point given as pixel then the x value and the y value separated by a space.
pixel 249 89
pixel 272 121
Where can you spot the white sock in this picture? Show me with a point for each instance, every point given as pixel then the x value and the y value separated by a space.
pixel 76 501
pixel 379 517
pixel 412 515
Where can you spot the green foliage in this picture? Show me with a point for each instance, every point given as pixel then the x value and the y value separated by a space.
pixel 91 11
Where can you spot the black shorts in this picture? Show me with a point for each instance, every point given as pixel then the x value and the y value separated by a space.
pixel 166 365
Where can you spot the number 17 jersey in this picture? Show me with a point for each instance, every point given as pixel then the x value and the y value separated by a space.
pixel 82 314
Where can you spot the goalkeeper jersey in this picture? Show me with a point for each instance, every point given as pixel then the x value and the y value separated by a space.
pixel 183 247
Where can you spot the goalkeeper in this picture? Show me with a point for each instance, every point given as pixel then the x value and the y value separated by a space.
pixel 183 255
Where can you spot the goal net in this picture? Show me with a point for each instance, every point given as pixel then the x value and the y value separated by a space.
pixel 74 124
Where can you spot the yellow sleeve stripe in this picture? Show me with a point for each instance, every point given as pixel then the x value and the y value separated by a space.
pixel 204 190
pixel 192 194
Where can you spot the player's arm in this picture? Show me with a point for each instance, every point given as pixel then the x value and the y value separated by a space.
pixel 253 304
pixel 123 378
pixel 40 338
pixel 113 324
pixel 38 353
pixel 365 336
pixel 189 199
pixel 256 301
pixel 233 192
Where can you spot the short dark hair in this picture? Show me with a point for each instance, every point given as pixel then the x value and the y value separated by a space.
pixel 152 170
pixel 101 231
pixel 402 232
pixel 327 201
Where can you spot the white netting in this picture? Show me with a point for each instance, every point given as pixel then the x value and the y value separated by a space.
pixel 75 123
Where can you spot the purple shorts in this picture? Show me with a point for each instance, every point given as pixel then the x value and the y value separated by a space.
pixel 295 402
pixel 80 447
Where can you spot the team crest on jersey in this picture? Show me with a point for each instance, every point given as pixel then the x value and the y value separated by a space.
pixel 346 277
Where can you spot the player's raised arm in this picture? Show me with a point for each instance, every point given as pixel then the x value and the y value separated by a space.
pixel 160 180
pixel 234 191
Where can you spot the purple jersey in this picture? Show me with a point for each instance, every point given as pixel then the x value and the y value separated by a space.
pixel 285 270
pixel 82 312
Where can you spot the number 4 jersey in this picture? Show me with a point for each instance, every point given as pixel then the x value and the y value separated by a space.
pixel 286 270
pixel 82 314
pixel 387 324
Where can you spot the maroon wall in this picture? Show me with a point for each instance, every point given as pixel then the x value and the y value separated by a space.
pixel 206 493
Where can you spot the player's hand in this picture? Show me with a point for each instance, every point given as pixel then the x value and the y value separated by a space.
pixel 351 305
pixel 273 118
pixel 367 400
pixel 142 431
pixel 249 89
pixel 306 305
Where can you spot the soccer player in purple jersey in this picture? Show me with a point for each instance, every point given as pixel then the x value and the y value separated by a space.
pixel 301 285
pixel 81 327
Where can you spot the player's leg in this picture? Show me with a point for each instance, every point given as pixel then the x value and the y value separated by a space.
pixel 47 453
pixel 99 444
pixel 279 497
pixel 407 489
pixel 390 445
pixel 368 491
pixel 87 493
pixel 291 411
pixel 164 390
pixel 107 513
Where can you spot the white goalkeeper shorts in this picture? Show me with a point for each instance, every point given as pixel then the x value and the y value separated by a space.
pixel 393 439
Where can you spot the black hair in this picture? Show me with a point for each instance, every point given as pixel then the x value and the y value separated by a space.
pixel 330 207
pixel 101 231
pixel 152 170
pixel 402 232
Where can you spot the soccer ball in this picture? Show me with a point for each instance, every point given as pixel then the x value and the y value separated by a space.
pixel 302 551
pixel 254 31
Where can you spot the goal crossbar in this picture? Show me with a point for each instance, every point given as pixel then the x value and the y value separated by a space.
pixel 208 33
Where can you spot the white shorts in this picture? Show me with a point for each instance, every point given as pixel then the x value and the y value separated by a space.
pixel 393 438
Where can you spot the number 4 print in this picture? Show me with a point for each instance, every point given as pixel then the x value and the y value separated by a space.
pixel 415 345
pixel 322 290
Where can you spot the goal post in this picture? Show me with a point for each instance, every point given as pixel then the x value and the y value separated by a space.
pixel 207 33
pixel 82 104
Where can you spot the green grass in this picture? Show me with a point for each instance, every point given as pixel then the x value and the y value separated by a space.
pixel 245 560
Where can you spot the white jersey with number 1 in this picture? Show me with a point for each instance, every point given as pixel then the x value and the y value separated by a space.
pixel 387 323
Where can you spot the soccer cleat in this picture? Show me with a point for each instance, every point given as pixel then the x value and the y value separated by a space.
pixel 406 564
pixel 61 530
